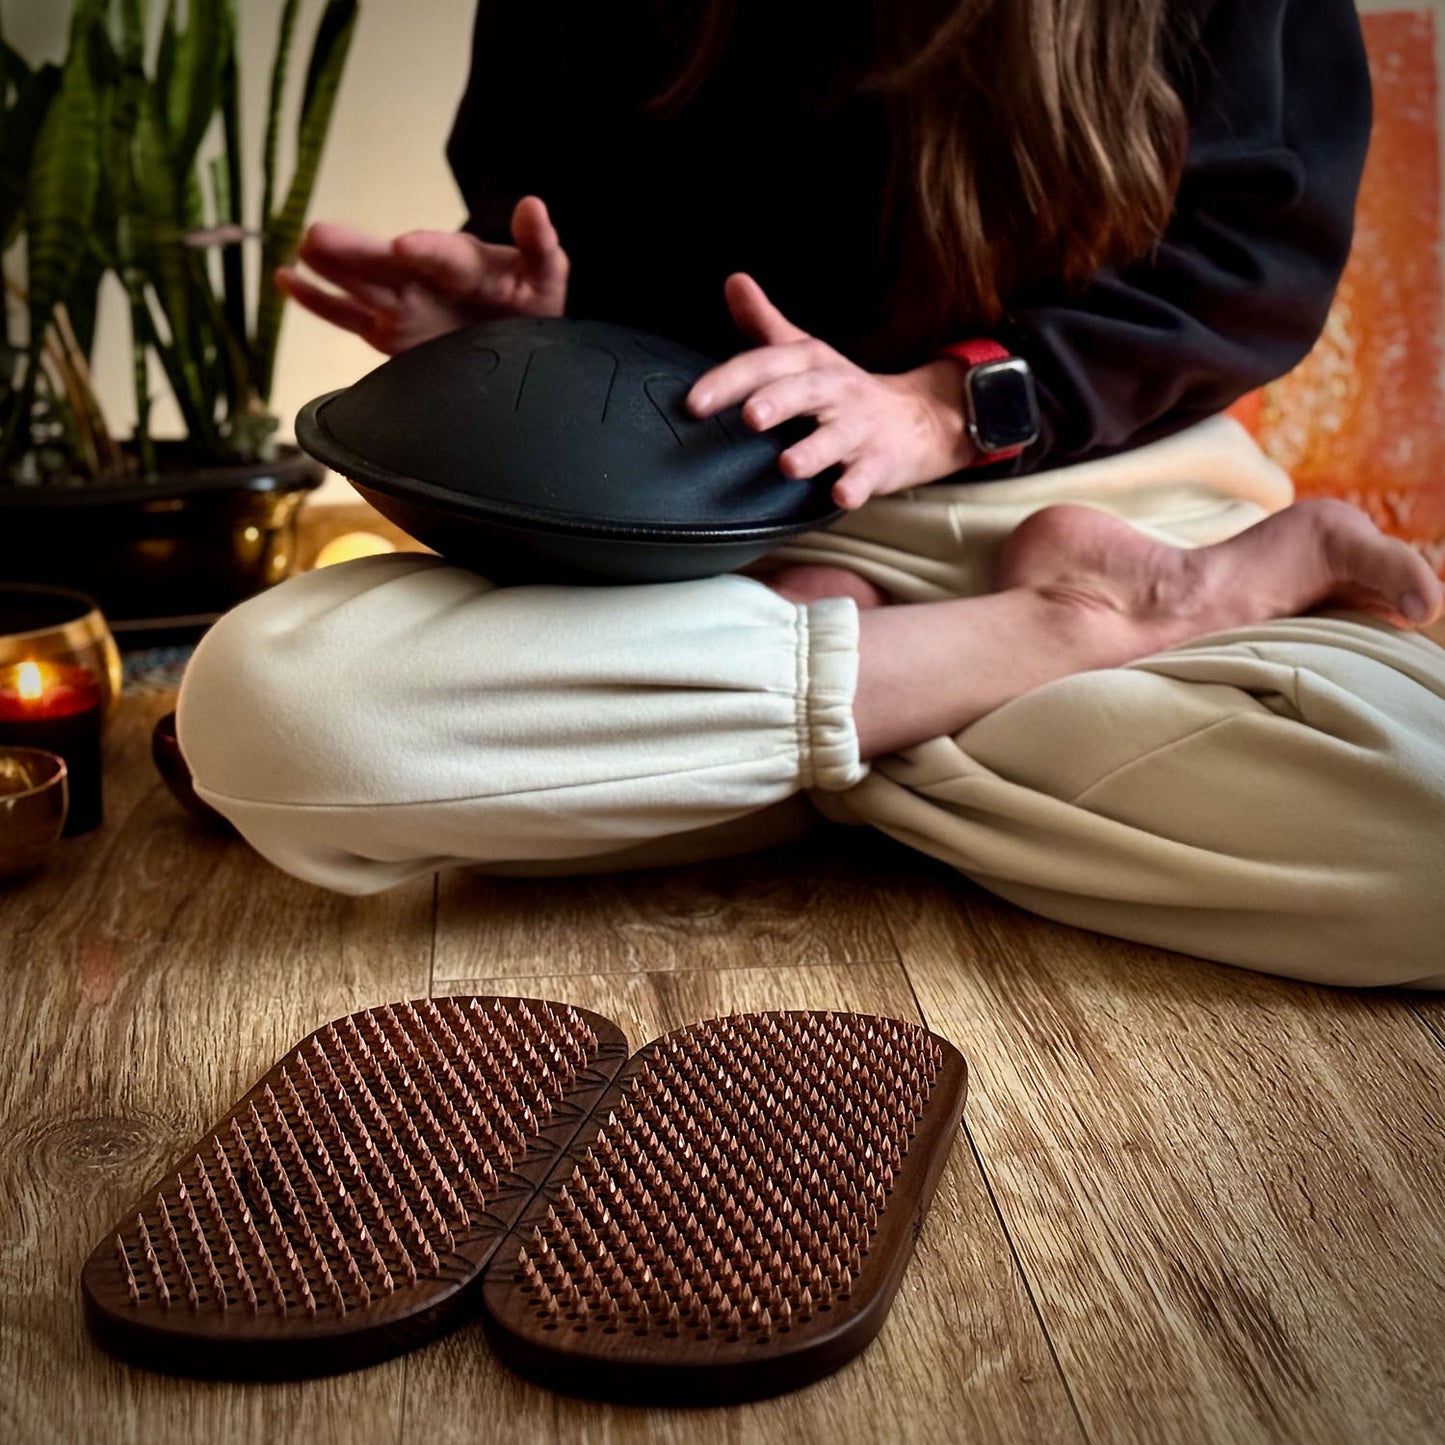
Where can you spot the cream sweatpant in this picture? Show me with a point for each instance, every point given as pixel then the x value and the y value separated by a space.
pixel 1271 797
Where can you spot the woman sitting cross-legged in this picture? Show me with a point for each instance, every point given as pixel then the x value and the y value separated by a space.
pixel 1101 665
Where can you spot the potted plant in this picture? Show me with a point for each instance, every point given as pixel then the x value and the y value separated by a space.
pixel 125 160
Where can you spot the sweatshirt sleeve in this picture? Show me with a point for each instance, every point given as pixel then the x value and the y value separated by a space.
pixel 1239 287
pixel 506 136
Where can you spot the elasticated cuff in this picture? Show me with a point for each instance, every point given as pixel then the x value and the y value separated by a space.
pixel 827 683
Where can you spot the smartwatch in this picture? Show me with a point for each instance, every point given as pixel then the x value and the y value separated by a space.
pixel 1000 404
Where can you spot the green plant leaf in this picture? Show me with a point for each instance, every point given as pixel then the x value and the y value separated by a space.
pixel 285 33
pixel 127 31
pixel 120 227
pixel 109 157
pixel 334 28
pixel 59 202
pixel 85 299
pixel 166 51
pixel 193 88
pixel 282 232
pixel 233 272
pixel 232 357
pixel 64 179
pixel 33 93
pixel 175 272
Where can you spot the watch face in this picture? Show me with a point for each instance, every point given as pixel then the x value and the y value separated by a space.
pixel 1004 412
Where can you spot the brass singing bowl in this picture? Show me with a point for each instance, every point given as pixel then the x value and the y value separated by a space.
pixel 34 798
pixel 54 624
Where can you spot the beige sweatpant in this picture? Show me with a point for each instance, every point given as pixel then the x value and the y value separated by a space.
pixel 1272 797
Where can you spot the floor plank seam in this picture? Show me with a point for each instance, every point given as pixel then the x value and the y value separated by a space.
pixel 1027 1283
pixel 1429 1024
pixel 1018 1263
pixel 401 1407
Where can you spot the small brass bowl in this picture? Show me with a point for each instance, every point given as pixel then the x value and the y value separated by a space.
pixel 54 624
pixel 34 798
pixel 176 773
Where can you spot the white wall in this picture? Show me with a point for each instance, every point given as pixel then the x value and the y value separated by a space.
pixel 383 169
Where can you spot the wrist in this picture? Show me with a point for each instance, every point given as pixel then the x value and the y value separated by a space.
pixel 945 445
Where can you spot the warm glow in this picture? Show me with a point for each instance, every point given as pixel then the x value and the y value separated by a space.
pixel 28 682
pixel 351 545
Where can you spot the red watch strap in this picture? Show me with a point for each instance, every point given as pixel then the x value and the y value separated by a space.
pixel 977 351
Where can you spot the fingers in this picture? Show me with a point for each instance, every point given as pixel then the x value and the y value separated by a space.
pixel 863 476
pixel 856 485
pixel 358 262
pixel 838 438
pixel 451 260
pixel 793 376
pixel 750 371
pixel 339 309
pixel 389 329
pixel 846 443
pixel 822 448
pixel 756 317
pixel 387 298
pixel 537 240
pixel 530 277
pixel 817 392
pixel 783 349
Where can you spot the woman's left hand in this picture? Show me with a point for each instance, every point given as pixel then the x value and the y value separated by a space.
pixel 886 432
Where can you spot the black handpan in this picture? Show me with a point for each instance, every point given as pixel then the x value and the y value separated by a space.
pixel 555 450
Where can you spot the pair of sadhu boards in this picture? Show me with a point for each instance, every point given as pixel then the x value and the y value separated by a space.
pixel 724 1215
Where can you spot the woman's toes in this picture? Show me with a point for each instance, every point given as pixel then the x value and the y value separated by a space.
pixel 1317 553
pixel 1376 573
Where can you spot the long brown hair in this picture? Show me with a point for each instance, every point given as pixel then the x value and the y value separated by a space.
pixel 1032 141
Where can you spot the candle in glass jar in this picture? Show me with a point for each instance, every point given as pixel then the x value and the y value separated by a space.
pixel 57 706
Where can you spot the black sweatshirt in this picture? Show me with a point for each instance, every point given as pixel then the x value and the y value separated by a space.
pixel 768 171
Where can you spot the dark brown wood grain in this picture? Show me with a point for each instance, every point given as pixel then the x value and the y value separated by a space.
pixel 1191 1204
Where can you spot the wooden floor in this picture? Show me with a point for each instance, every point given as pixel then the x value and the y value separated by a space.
pixel 1187 1204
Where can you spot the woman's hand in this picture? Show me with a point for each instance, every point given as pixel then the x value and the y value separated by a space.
pixel 426 283
pixel 887 432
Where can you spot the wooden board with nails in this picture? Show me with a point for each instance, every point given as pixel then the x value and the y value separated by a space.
pixel 342 1212
pixel 739 1220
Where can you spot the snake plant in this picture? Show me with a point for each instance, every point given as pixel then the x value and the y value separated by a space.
pixel 126 160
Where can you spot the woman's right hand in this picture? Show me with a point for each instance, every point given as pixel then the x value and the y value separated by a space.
pixel 397 293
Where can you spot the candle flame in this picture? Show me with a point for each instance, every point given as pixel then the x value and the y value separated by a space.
pixel 28 682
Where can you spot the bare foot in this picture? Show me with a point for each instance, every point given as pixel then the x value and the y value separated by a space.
pixel 811 583
pixel 1081 590
pixel 1313 554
